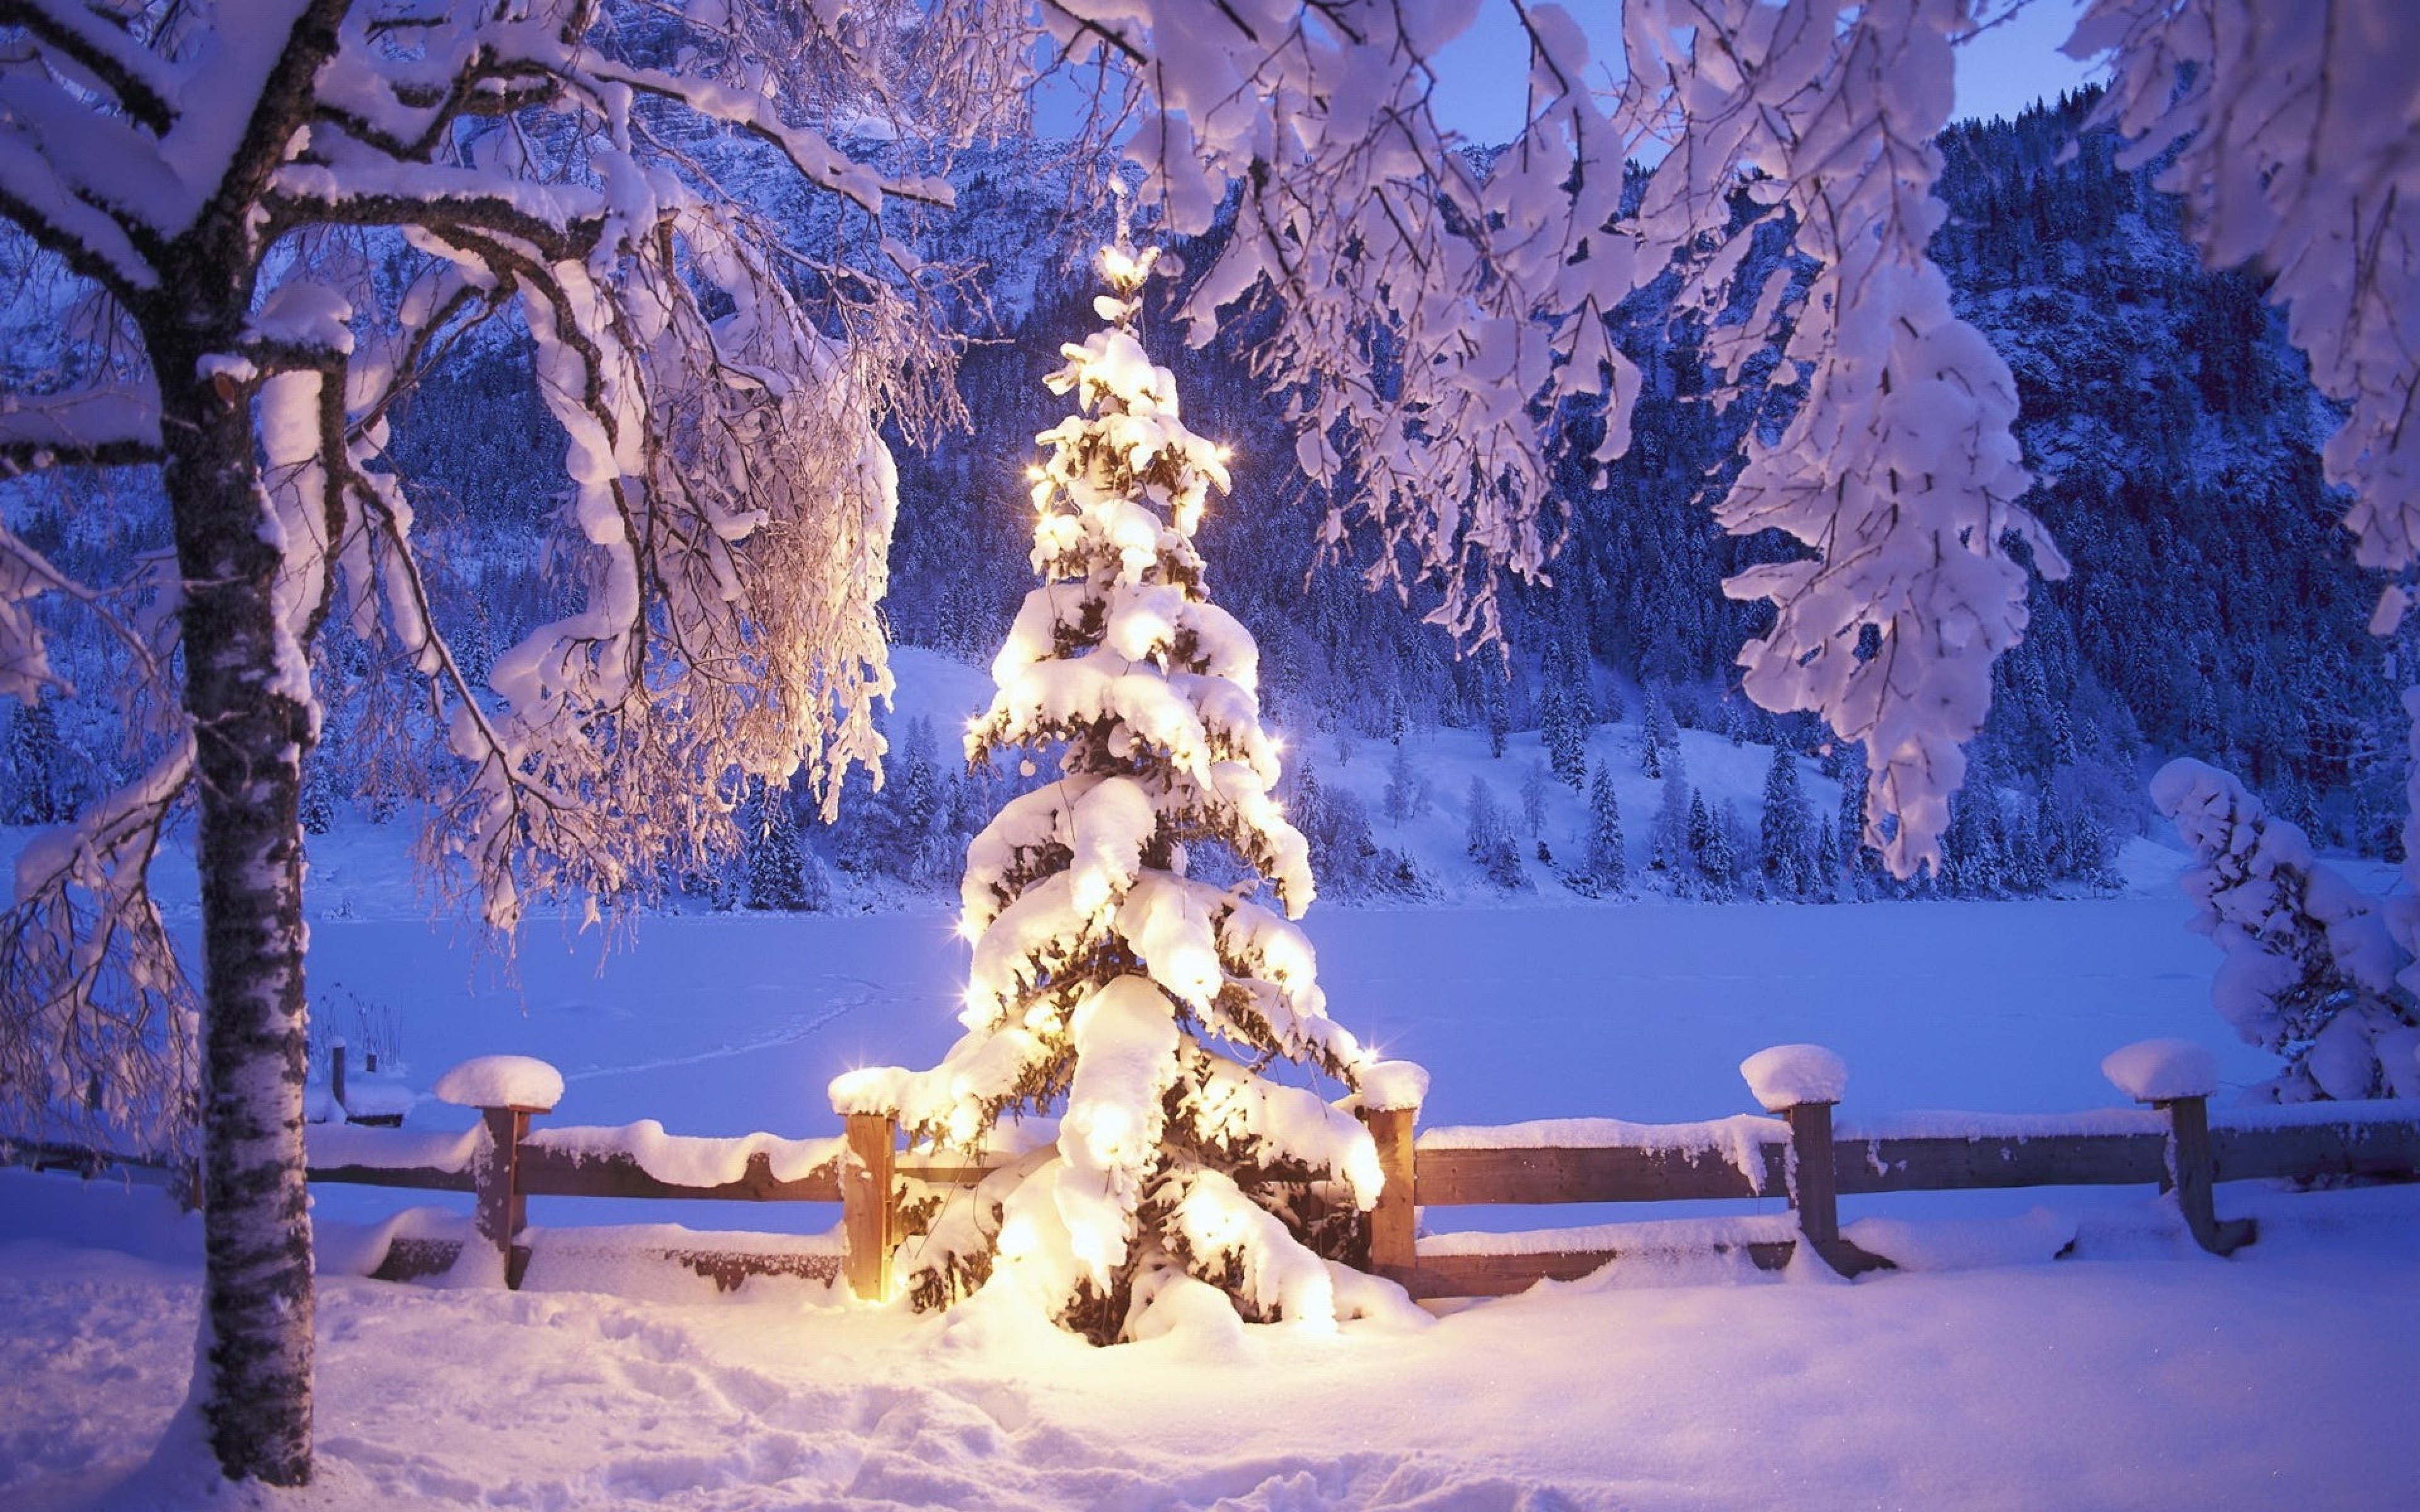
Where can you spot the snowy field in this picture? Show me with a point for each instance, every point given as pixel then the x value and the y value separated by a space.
pixel 2140 1373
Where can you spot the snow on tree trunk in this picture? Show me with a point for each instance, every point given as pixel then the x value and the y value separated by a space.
pixel 1106 983
pixel 252 723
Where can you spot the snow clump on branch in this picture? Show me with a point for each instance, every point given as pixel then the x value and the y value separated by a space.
pixel 2310 970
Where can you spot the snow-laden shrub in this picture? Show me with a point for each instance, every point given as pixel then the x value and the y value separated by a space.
pixel 1136 1001
pixel 2310 968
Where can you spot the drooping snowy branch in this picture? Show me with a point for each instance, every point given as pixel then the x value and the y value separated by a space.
pixel 1899 473
pixel 2290 129
pixel 1418 309
pixel 99 1026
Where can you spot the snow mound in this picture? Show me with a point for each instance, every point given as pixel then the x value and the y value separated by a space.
pixel 1394 1084
pixel 2034 1237
pixel 501 1082
pixel 380 1099
pixel 690 1160
pixel 2157 1071
pixel 1786 1075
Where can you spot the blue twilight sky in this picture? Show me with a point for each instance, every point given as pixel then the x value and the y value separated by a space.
pixel 1479 77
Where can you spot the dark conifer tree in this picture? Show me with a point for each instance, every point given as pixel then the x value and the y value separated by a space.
pixel 1785 832
pixel 33 763
pixel 775 874
pixel 1604 863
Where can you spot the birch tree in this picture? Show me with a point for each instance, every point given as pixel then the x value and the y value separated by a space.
pixel 214 183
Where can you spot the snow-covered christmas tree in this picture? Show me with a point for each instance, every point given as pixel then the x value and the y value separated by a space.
pixel 1141 1004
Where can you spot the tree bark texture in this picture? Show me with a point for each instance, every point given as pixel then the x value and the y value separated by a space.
pixel 249 738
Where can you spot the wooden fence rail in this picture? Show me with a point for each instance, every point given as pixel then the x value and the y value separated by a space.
pixel 1798 1155
pixel 2173 1145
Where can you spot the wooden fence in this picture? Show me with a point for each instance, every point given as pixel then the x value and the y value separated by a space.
pixel 1802 1156
pixel 1798 1155
pixel 504 1166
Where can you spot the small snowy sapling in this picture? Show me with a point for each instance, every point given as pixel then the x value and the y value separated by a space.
pixel 2310 969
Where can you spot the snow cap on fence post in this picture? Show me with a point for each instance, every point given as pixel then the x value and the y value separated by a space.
pixel 1387 1085
pixel 1791 1075
pixel 505 1089
pixel 522 1082
pixel 2162 1071
pixel 1387 1098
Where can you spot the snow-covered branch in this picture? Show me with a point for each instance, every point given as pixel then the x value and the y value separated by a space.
pixel 98 1031
pixel 1417 309
pixel 113 425
pixel 2310 970
pixel 95 49
pixel 2291 135
pixel 1899 473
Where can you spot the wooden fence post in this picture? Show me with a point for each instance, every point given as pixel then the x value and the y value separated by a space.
pixel 1391 1222
pixel 502 1211
pixel 1815 1190
pixel 1814 1186
pixel 867 1219
pixel 2192 1170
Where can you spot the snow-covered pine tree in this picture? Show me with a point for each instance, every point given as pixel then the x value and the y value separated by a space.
pixel 1564 714
pixel 1605 866
pixel 1718 852
pixel 1659 736
pixel 2310 968
pixel 1826 883
pixel 315 810
pixel 1785 831
pixel 1857 860
pixel 1108 985
pixel 776 877
pixel 1668 848
pixel 1702 842
pixel 1406 795
pixel 1495 709
pixel 32 765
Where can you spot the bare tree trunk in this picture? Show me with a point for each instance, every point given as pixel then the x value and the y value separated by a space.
pixel 249 731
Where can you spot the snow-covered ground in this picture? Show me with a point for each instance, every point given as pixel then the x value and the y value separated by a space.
pixel 2141 1374
pixel 2138 1373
